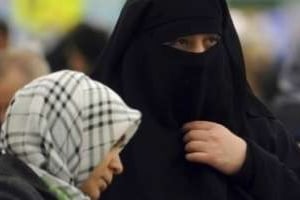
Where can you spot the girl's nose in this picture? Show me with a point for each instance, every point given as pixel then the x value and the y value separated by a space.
pixel 116 165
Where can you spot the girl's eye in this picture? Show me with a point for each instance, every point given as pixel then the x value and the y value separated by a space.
pixel 120 144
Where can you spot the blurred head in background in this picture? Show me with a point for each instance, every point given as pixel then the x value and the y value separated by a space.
pixel 79 49
pixel 4 35
pixel 286 104
pixel 17 68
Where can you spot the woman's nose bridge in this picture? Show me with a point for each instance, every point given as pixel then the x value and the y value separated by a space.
pixel 198 45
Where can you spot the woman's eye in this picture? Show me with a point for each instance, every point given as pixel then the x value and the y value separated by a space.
pixel 211 41
pixel 198 43
pixel 182 42
pixel 179 43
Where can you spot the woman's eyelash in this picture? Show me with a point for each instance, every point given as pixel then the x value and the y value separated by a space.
pixel 176 42
pixel 215 38
pixel 181 40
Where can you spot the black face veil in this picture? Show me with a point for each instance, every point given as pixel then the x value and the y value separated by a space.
pixel 172 87
pixel 176 86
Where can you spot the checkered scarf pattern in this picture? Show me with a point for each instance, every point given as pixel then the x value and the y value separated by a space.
pixel 63 124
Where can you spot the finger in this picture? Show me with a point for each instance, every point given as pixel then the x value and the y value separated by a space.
pixel 205 125
pixel 196 146
pixel 195 135
pixel 199 157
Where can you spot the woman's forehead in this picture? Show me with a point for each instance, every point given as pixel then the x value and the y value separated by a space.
pixel 175 18
pixel 174 9
pixel 176 29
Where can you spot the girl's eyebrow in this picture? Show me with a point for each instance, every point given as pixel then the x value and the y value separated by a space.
pixel 120 142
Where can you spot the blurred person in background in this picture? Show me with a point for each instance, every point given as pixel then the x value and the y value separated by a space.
pixel 286 104
pixel 281 21
pixel 258 60
pixel 4 35
pixel 17 68
pixel 204 134
pixel 257 47
pixel 78 50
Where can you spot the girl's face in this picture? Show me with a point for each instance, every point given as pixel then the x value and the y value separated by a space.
pixel 197 43
pixel 102 176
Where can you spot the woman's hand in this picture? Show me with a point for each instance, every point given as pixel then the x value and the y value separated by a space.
pixel 213 144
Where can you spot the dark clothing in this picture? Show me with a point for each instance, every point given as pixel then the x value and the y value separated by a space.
pixel 18 181
pixel 271 170
pixel 289 115
pixel 172 87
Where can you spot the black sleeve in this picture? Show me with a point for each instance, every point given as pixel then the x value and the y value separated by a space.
pixel 18 181
pixel 272 167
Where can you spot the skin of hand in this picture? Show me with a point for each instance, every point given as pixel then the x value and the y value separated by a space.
pixel 213 144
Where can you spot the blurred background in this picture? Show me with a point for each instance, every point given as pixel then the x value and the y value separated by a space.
pixel 72 33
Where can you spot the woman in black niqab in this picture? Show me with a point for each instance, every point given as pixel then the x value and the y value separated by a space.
pixel 172 87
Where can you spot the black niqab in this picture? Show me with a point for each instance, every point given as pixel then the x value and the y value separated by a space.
pixel 172 87
pixel 181 86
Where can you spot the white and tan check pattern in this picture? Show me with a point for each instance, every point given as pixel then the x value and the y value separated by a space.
pixel 64 124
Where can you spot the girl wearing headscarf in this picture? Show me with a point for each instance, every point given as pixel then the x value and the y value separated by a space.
pixel 69 129
pixel 204 135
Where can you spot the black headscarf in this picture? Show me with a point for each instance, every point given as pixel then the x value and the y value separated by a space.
pixel 172 87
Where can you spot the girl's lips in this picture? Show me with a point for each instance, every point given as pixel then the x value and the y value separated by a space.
pixel 106 181
pixel 103 186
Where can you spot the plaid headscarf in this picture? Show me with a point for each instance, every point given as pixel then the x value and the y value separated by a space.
pixel 62 125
